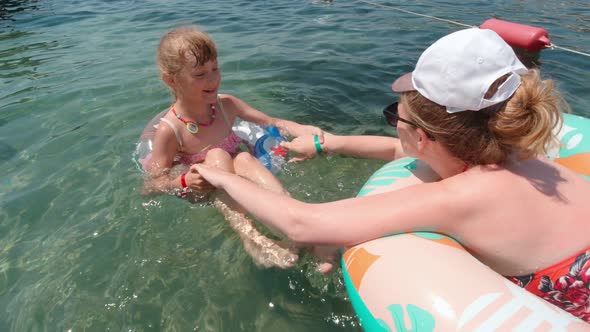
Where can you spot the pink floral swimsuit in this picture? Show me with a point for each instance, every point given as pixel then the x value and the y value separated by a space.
pixel 230 143
pixel 565 284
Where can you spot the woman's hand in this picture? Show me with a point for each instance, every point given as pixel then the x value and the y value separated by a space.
pixel 296 130
pixel 305 130
pixel 212 175
pixel 196 182
pixel 299 130
pixel 302 145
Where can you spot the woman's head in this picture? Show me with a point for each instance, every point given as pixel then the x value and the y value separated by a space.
pixel 470 92
pixel 183 50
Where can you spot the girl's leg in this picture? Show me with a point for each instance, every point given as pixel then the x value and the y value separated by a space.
pixel 247 166
pixel 263 250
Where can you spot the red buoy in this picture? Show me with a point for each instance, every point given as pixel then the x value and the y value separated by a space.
pixel 530 38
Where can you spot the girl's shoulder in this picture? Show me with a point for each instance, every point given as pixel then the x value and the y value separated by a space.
pixel 227 98
pixel 230 103
pixel 227 101
pixel 166 131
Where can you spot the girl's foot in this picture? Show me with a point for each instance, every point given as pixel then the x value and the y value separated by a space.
pixel 325 268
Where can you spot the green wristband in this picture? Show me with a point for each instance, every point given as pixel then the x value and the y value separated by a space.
pixel 318 146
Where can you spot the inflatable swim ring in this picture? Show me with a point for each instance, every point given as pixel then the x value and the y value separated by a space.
pixel 263 143
pixel 394 283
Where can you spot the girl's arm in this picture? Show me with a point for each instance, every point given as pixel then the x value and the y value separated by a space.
pixel 424 207
pixel 248 113
pixel 371 147
pixel 163 150
pixel 165 147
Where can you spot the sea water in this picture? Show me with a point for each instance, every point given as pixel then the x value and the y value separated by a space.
pixel 82 250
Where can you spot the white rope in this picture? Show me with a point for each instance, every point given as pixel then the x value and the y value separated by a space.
pixel 417 14
pixel 552 46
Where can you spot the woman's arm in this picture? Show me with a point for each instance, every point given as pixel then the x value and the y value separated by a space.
pixel 248 113
pixel 371 147
pixel 424 207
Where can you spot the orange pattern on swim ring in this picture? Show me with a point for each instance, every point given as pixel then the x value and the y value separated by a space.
pixel 579 163
pixel 444 240
pixel 357 262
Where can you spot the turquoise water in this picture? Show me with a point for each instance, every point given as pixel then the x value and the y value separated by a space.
pixel 81 250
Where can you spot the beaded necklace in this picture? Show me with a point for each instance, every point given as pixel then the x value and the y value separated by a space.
pixel 193 126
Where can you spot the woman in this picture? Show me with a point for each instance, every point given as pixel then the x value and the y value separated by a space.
pixel 481 122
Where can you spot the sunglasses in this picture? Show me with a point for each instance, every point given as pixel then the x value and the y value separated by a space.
pixel 392 117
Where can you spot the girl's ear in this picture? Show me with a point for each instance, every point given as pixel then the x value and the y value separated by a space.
pixel 169 80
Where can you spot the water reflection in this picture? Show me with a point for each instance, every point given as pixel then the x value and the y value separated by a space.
pixel 6 151
pixel 23 56
pixel 10 7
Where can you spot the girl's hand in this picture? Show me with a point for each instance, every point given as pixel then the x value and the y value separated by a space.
pixel 196 182
pixel 303 145
pixel 214 176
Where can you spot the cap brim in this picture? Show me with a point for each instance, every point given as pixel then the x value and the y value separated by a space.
pixel 403 84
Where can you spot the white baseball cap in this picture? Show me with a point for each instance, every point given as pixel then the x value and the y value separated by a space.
pixel 458 69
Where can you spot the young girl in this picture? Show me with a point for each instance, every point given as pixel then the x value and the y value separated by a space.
pixel 198 129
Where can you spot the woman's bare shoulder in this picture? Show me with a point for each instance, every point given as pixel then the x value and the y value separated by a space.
pixel 475 193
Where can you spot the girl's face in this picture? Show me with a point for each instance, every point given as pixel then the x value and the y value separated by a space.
pixel 199 83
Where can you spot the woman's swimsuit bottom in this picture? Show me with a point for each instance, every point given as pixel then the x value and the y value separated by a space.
pixel 229 143
pixel 565 284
